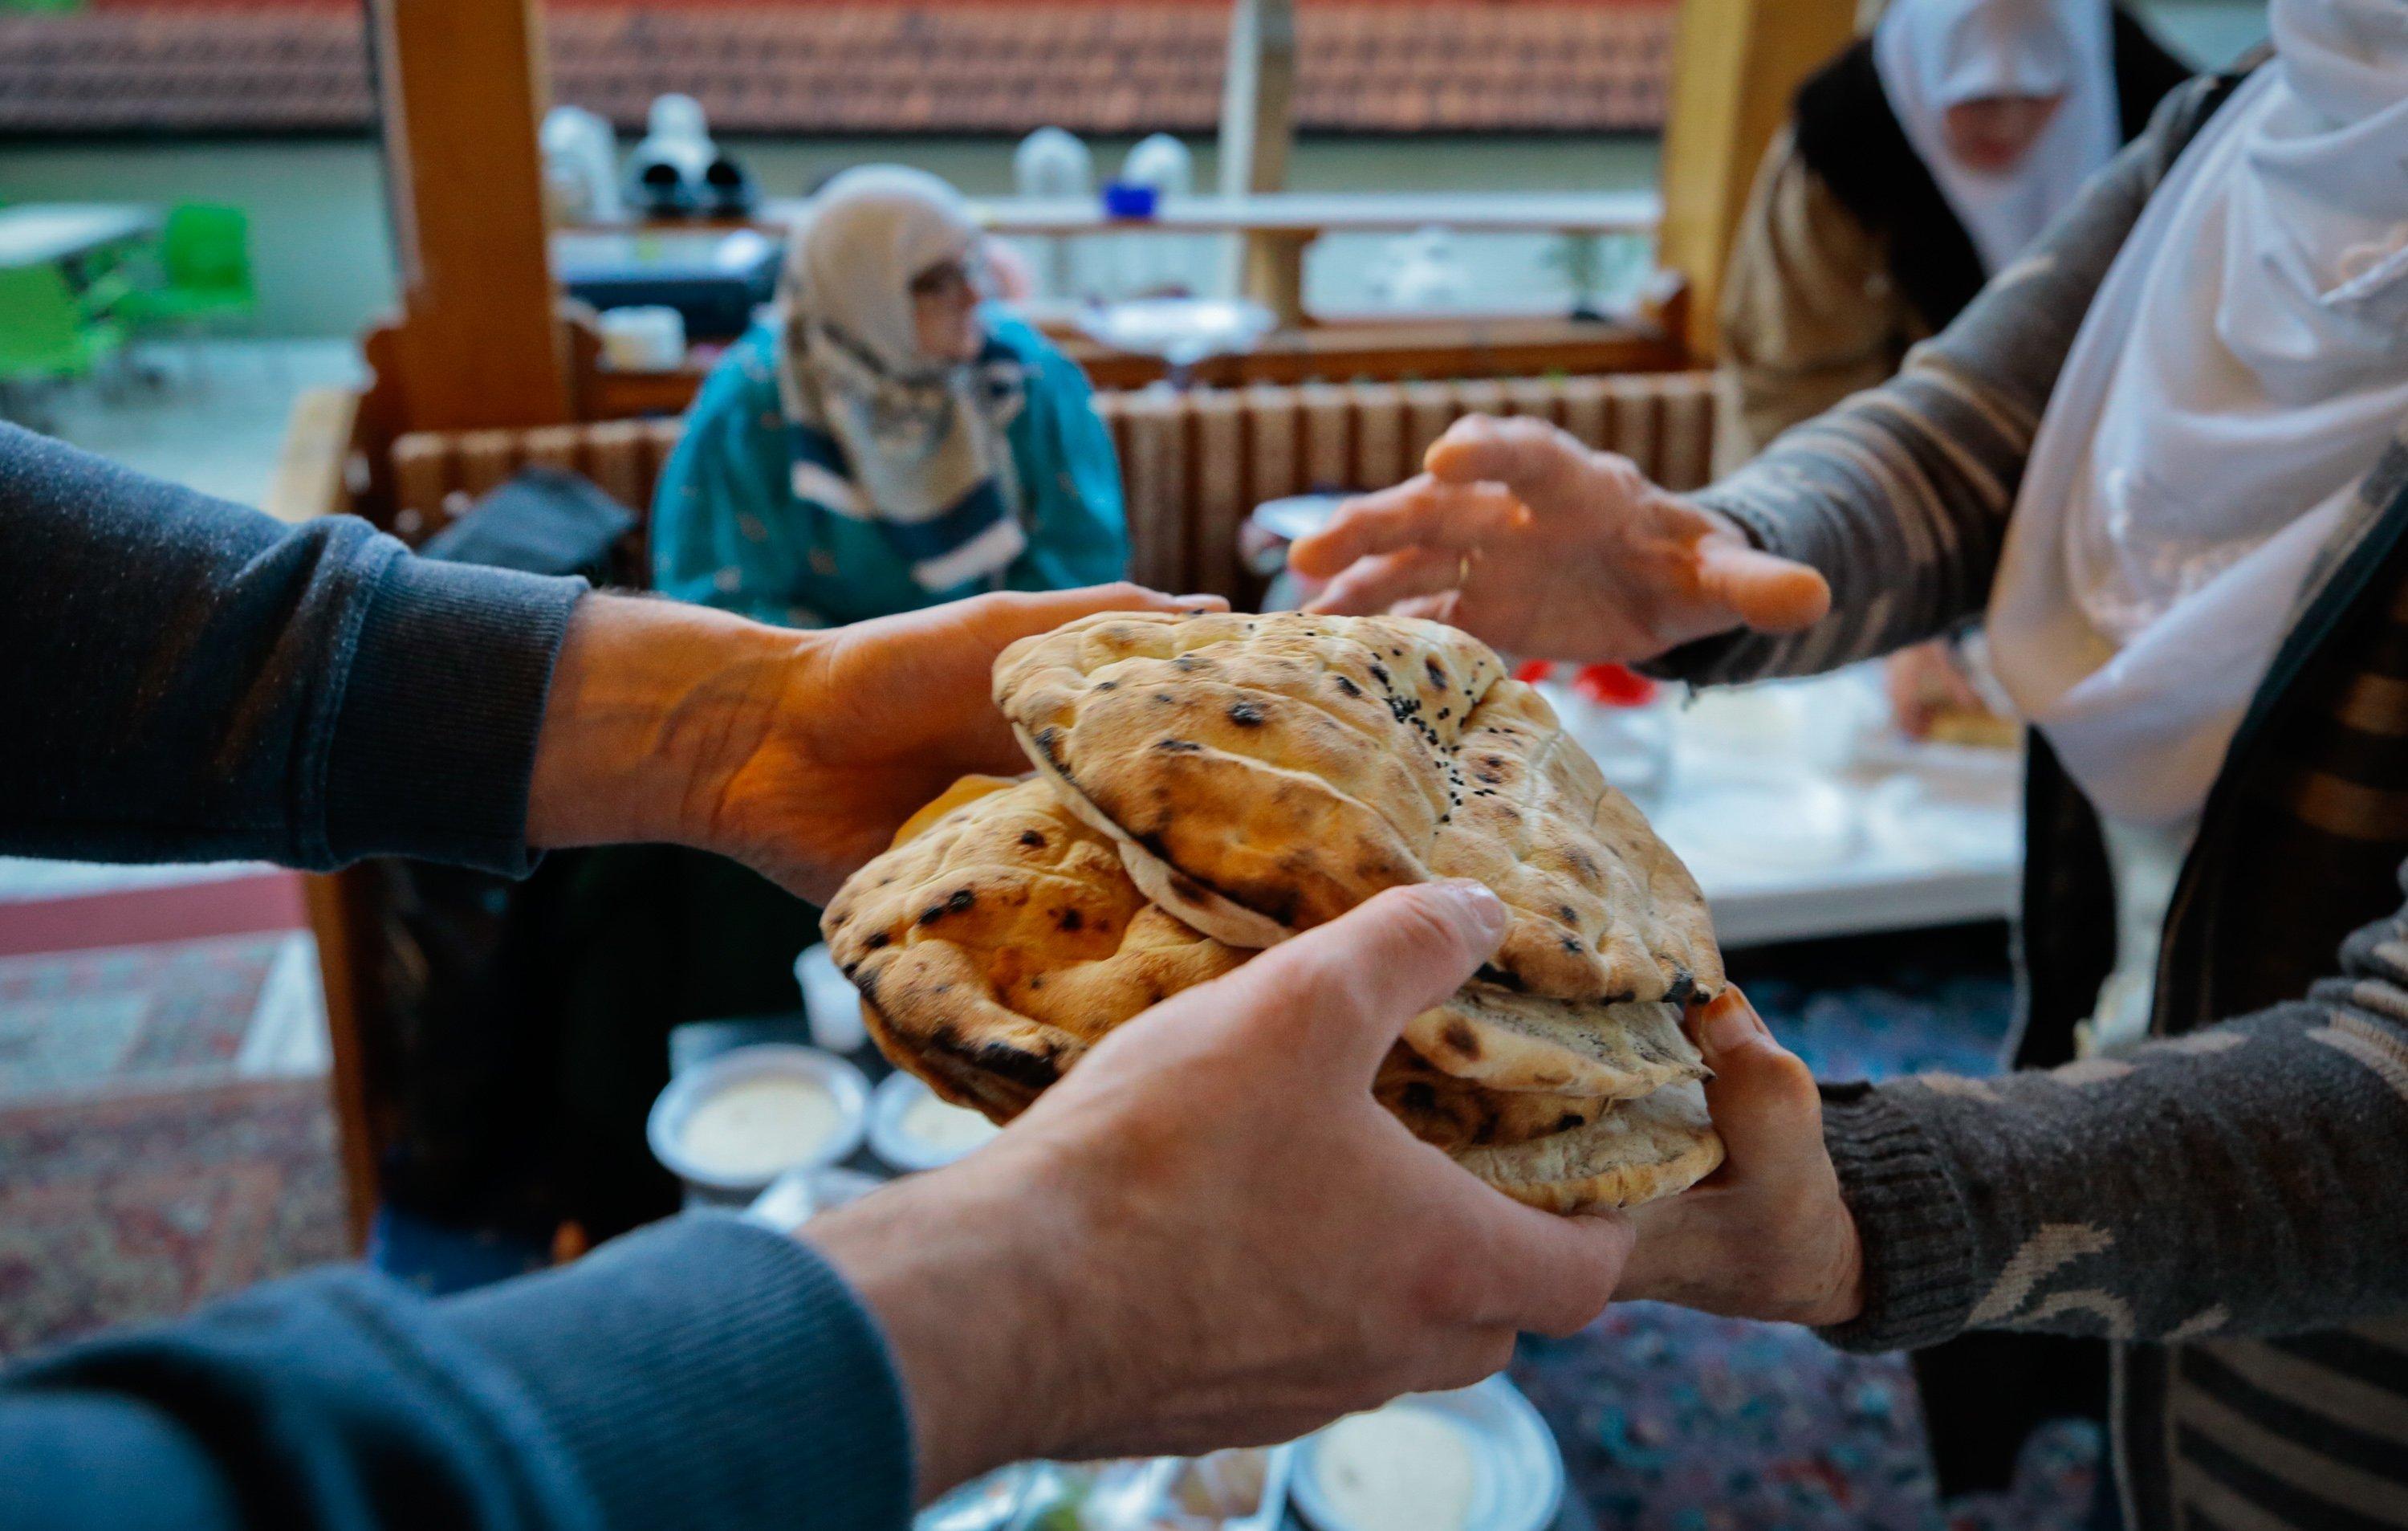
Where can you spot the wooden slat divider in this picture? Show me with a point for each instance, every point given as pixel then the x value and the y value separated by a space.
pixel 1192 464
pixel 1380 435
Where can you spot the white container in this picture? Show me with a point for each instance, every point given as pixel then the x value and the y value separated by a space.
pixel 831 1006
pixel 733 1101
pixel 902 1133
pixel 642 338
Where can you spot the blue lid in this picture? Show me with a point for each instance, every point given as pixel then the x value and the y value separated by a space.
pixel 1128 200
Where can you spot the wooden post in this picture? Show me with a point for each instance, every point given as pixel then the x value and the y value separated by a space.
pixel 462 85
pixel 1736 64
pixel 1257 128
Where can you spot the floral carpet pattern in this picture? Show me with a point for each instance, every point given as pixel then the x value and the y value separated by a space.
pixel 140 1173
pixel 1674 1421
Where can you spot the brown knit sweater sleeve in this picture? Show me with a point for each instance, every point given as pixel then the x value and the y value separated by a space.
pixel 1809 314
pixel 2230 1181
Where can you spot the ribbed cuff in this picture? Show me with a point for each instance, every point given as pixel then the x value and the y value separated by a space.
pixel 434 744
pixel 1911 1223
pixel 708 1372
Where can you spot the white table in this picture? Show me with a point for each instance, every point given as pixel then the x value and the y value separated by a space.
pixel 40 233
pixel 1802 818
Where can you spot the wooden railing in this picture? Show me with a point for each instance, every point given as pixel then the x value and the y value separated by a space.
pixel 1193 463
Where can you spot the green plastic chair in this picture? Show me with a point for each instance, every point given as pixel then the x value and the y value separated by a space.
pixel 45 337
pixel 205 255
pixel 45 333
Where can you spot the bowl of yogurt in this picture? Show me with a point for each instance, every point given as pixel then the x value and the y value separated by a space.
pixel 731 1125
pixel 910 1129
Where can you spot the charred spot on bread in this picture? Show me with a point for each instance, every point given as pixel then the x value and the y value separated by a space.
pixel 1069 919
pixel 1489 973
pixel 877 939
pixel 1246 714
pixel 1346 686
pixel 1683 989
pixel 1431 665
pixel 1033 840
pixel 1459 1036
pixel 1177 747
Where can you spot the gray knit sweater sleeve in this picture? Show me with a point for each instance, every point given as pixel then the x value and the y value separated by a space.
pixel 2182 1190
pixel 1900 495
pixel 2186 1189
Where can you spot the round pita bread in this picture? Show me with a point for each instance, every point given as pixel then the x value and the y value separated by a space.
pixel 1638 1151
pixel 1000 938
pixel 1262 774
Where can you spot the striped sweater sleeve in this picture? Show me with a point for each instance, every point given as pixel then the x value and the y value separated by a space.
pixel 2227 1182
pixel 1899 495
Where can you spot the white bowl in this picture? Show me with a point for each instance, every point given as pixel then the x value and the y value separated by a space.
pixel 894 1143
pixel 665 1128
pixel 1517 1470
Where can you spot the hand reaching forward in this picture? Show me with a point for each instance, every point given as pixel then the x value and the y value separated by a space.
pixel 797 752
pixel 1524 537
pixel 1766 1236
pixel 1209 1233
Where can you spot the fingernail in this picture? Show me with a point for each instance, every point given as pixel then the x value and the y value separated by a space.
pixel 1726 1026
pixel 1478 906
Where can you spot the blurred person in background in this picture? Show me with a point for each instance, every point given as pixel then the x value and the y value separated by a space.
pixel 2164 455
pixel 887 439
pixel 1917 164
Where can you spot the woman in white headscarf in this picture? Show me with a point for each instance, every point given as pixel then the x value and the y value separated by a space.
pixel 887 438
pixel 1916 165
pixel 2165 455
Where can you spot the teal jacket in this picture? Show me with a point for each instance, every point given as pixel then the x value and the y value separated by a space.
pixel 728 531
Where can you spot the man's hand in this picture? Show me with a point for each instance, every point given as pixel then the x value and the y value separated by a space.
pixel 1208 1233
pixel 797 752
pixel 1522 536
pixel 1767 1235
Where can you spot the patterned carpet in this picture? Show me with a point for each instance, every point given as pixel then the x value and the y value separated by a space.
pixel 138 1206
pixel 155 1148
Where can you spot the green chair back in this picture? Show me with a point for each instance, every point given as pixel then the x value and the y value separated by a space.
pixel 206 247
pixel 41 327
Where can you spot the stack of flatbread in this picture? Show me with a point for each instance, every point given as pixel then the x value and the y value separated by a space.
pixel 1207 786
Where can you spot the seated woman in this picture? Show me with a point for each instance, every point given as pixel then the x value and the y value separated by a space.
pixel 885 439
pixel 1916 165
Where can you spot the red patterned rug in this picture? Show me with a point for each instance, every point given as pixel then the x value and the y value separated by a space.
pixel 120 1209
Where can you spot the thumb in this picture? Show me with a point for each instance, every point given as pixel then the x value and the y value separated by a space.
pixel 1336 998
pixel 1764 590
pixel 1762 1096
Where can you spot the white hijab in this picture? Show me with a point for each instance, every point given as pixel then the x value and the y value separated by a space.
pixel 2243 366
pixel 1935 54
pixel 921 437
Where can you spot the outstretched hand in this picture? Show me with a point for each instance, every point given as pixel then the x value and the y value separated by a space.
pixel 797 752
pixel 1209 1233
pixel 1522 536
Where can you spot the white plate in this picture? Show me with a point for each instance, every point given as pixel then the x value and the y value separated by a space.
pixel 1517 1471
pixel 893 1100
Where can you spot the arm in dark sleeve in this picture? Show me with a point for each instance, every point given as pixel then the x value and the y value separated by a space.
pixel 186 679
pixel 706 1372
pixel 2230 1181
